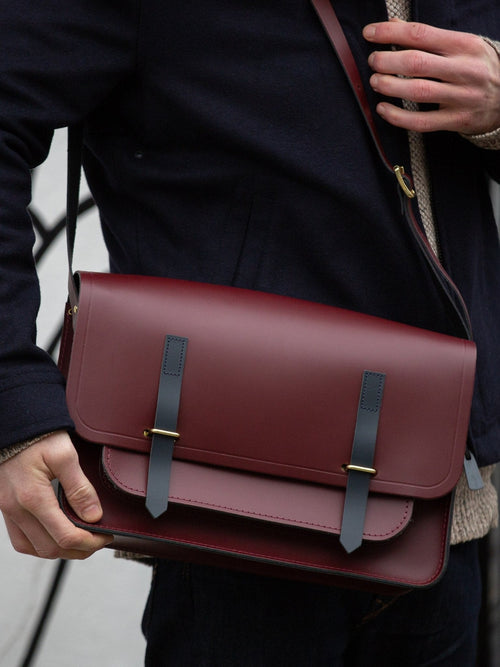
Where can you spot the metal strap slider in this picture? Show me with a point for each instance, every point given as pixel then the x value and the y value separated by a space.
pixel 404 181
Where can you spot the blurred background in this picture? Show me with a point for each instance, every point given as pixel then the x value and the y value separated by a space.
pixel 95 616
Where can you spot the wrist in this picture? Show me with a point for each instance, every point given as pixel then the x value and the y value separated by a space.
pixel 9 452
pixel 487 140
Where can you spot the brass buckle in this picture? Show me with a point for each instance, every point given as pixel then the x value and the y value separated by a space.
pixel 400 173
pixel 350 466
pixel 150 432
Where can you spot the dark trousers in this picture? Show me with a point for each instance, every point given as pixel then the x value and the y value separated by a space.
pixel 204 617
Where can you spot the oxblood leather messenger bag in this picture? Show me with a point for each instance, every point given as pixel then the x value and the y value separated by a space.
pixel 260 432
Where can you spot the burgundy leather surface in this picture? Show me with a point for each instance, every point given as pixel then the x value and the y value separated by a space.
pixel 271 384
pixel 416 558
pixel 276 500
pixel 271 388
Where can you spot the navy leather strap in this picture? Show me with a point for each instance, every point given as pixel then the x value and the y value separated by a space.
pixel 360 469
pixel 164 433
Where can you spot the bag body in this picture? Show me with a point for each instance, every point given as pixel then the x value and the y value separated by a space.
pixel 249 430
pixel 270 404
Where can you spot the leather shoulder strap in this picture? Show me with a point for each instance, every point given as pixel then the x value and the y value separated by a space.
pixel 333 29
pixel 74 170
pixel 335 33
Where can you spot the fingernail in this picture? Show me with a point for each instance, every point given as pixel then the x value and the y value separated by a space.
pixel 92 513
pixel 369 32
pixel 374 81
pixel 381 109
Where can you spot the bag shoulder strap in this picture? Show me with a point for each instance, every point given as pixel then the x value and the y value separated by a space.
pixel 335 33
pixel 338 40
pixel 74 171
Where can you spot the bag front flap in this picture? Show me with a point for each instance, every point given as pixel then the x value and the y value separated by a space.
pixel 271 384
pixel 258 497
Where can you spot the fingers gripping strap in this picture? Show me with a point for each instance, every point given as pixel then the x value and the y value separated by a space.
pixel 165 427
pixel 360 469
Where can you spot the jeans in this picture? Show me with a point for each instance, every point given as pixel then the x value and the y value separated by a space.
pixel 199 616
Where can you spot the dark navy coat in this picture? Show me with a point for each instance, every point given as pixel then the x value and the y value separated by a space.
pixel 223 144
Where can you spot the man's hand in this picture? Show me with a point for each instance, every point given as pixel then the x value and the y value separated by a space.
pixel 34 521
pixel 458 71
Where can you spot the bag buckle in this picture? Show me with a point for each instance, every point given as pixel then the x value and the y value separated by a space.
pixel 350 466
pixel 404 181
pixel 150 432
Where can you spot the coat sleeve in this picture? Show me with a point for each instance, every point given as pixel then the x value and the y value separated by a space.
pixel 60 60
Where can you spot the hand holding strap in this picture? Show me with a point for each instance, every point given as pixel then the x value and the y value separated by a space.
pixel 333 29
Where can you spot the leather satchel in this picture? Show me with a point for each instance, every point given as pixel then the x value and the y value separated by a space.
pixel 265 433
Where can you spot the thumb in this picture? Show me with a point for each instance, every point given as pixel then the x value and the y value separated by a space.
pixel 61 458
